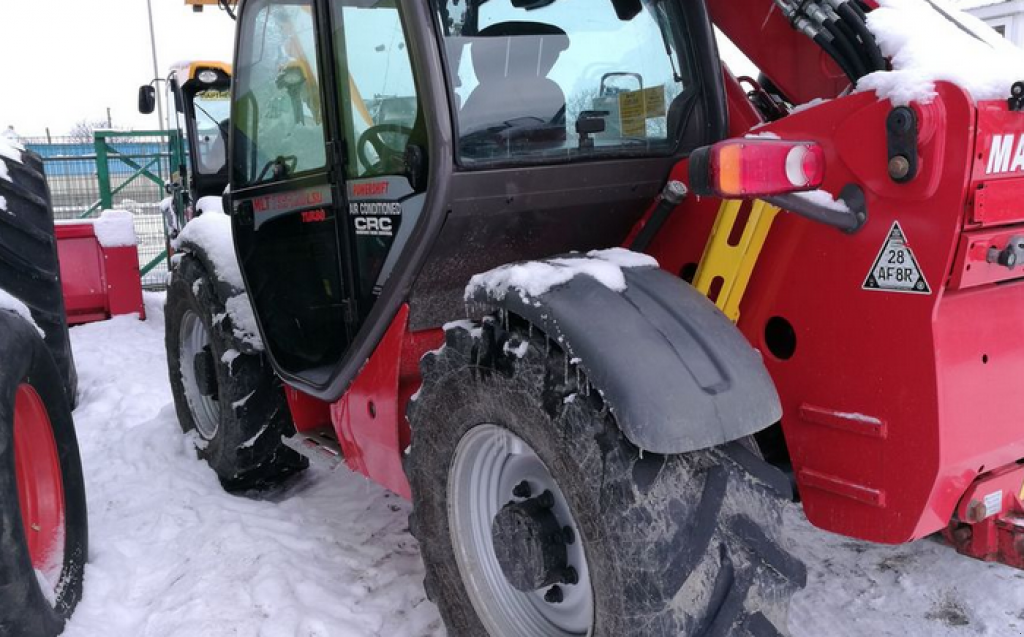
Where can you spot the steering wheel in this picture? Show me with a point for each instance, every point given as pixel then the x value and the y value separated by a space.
pixel 390 159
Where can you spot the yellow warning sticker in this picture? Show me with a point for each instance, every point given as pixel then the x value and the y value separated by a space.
pixel 633 114
pixel 636 107
pixel 654 101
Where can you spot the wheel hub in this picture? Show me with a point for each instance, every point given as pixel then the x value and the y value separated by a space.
pixel 206 372
pixel 529 544
pixel 198 366
pixel 518 546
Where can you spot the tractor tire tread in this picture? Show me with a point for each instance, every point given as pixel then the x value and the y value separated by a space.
pixel 246 452
pixel 697 538
pixel 29 265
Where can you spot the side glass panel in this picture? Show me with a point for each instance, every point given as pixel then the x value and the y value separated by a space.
pixel 378 99
pixel 212 108
pixel 284 219
pixel 385 134
pixel 278 116
pixel 573 78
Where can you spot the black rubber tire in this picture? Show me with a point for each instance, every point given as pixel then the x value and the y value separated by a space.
pixel 690 544
pixel 29 269
pixel 24 611
pixel 246 452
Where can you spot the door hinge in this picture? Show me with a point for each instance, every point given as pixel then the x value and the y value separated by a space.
pixel 348 309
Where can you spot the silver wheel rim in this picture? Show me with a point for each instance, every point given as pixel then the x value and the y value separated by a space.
pixel 193 338
pixel 489 462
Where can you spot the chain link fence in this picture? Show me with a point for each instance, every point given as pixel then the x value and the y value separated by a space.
pixel 124 171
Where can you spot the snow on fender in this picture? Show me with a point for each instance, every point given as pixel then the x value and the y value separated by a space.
pixel 632 327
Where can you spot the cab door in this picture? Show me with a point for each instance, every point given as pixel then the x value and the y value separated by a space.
pixel 287 220
pixel 327 170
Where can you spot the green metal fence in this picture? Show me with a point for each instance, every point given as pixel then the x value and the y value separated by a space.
pixel 115 170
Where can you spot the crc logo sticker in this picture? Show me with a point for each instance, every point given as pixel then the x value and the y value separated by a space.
pixel 375 226
pixel 895 268
pixel 375 219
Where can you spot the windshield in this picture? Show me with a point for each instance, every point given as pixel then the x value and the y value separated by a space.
pixel 572 78
pixel 212 109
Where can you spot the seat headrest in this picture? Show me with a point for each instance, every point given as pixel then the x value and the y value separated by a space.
pixel 517 49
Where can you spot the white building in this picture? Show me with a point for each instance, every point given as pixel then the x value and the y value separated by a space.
pixel 1005 16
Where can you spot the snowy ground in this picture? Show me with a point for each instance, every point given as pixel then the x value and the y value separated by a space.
pixel 172 555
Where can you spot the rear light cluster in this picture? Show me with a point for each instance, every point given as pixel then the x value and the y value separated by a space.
pixel 749 168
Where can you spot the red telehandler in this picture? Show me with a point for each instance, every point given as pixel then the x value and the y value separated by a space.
pixel 595 445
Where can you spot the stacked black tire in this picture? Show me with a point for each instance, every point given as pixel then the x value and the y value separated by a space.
pixel 29 271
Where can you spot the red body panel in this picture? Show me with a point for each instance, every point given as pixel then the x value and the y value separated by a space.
pixel 882 397
pixel 370 419
pixel 308 413
pixel 98 282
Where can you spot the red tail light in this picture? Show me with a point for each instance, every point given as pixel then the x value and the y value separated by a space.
pixel 749 168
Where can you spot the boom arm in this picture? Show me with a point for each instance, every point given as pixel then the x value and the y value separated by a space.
pixel 773 41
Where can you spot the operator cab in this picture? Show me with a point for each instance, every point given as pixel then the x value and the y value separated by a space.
pixel 383 151
pixel 198 95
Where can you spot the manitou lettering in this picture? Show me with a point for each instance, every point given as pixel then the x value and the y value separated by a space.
pixel 1006 154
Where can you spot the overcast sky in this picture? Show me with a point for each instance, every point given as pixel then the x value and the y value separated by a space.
pixel 62 61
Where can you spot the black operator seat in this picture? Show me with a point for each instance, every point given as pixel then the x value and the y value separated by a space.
pixel 511 61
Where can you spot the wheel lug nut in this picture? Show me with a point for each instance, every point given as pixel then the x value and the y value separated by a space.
pixel 554 595
pixel 522 490
pixel 568 535
pixel 546 500
pixel 570 576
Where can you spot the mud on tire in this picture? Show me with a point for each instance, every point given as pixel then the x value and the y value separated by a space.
pixel 26 610
pixel 248 405
pixel 676 545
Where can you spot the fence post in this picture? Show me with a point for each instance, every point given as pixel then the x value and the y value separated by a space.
pixel 103 172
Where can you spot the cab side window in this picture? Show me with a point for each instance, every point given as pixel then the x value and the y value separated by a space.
pixel 278 116
pixel 378 98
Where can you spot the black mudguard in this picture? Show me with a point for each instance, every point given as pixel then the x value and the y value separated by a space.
pixel 677 374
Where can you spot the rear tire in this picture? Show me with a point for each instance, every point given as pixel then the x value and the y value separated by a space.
pixel 35 416
pixel 240 424
pixel 674 545
pixel 29 269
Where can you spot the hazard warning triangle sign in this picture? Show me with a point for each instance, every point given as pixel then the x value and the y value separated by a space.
pixel 896 269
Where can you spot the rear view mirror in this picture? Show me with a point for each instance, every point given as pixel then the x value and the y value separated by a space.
pixel 752 168
pixel 628 9
pixel 530 5
pixel 147 99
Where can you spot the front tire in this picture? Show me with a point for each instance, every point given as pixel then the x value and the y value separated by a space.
pixel 43 523
pixel 231 400
pixel 671 545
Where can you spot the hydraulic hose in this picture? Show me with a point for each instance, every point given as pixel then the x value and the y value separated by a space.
pixel 849 15
pixel 859 8
pixel 822 40
pixel 847 49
